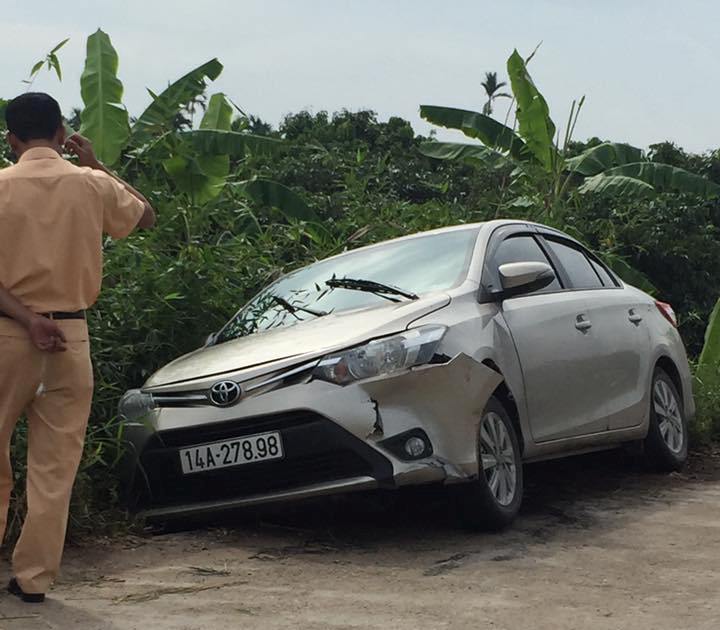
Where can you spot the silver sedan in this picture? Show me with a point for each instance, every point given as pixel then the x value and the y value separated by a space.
pixel 451 356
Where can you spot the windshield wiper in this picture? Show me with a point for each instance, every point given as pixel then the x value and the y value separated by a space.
pixel 358 284
pixel 291 308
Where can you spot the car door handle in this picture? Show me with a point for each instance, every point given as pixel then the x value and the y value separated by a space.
pixel 634 317
pixel 582 323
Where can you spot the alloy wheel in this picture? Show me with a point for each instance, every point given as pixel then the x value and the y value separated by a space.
pixel 669 418
pixel 498 458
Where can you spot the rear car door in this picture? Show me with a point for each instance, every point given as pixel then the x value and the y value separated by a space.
pixel 614 373
pixel 549 330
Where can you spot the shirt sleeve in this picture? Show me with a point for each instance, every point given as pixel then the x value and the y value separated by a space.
pixel 121 211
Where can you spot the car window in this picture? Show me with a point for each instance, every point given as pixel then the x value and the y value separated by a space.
pixel 577 266
pixel 605 277
pixel 435 262
pixel 524 248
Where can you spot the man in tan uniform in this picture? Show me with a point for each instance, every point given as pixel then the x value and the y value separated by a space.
pixel 52 218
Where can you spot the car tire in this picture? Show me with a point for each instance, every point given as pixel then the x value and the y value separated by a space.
pixel 492 501
pixel 666 444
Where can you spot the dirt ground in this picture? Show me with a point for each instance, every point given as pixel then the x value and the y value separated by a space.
pixel 599 544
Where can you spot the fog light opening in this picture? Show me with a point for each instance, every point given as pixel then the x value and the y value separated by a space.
pixel 415 446
pixel 409 445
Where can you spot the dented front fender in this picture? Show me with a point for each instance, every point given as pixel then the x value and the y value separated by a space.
pixel 446 401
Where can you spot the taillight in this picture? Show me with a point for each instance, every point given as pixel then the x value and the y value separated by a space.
pixel 667 312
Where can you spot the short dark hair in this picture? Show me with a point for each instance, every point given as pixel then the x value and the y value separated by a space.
pixel 33 116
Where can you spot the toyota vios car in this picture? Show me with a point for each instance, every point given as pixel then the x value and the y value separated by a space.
pixel 451 356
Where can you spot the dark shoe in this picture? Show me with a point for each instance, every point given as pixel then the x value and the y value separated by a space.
pixel 30 598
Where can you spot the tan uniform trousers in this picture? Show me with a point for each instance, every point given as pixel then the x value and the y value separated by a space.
pixel 55 391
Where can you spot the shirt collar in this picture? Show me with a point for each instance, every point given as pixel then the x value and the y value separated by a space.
pixel 39 153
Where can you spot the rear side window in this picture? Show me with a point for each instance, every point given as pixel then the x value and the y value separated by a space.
pixel 605 277
pixel 581 273
pixel 523 249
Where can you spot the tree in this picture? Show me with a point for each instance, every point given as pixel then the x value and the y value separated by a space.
pixel 492 86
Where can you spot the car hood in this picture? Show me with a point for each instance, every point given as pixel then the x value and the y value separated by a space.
pixel 305 340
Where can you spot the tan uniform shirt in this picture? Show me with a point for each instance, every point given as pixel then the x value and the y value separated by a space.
pixel 52 218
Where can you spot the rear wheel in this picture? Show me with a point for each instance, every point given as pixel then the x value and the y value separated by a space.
pixel 666 444
pixel 493 500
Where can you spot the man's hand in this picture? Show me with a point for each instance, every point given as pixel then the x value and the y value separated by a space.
pixel 46 334
pixel 82 148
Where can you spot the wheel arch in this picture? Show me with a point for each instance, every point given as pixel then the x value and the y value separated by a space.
pixel 666 364
pixel 504 394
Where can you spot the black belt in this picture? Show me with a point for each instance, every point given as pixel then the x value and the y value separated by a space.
pixel 57 315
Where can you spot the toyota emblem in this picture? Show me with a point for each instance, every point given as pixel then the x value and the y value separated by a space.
pixel 225 393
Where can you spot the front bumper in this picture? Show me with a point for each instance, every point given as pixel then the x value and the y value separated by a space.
pixel 335 439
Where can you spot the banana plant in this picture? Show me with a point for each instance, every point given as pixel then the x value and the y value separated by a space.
pixel 708 365
pixel 200 174
pixel 609 167
pixel 197 160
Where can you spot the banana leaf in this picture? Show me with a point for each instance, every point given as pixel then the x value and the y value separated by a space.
pixel 203 175
pixel 603 157
pixel 617 185
pixel 161 113
pixel 460 151
pixel 533 115
pixel 104 119
pixel 233 143
pixel 489 131
pixel 266 192
pixel 663 178
pixel 708 368
pixel 629 274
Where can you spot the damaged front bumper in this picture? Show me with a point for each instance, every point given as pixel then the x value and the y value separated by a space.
pixel 336 439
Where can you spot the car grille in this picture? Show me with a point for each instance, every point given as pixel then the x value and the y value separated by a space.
pixel 316 450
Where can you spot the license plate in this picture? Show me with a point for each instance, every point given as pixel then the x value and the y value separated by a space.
pixel 244 450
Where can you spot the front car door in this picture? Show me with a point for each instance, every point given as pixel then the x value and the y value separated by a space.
pixel 550 332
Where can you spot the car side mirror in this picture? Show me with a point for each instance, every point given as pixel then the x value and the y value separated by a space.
pixel 210 339
pixel 524 277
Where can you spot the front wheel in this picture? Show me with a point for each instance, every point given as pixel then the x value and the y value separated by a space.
pixel 493 500
pixel 666 444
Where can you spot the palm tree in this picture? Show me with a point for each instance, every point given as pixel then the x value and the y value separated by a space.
pixel 492 86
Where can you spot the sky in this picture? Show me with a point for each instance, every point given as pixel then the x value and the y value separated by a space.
pixel 648 68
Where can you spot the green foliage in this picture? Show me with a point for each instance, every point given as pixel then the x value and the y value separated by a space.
pixel 533 115
pixel 552 176
pixel 457 151
pixel 708 368
pixel 629 274
pixel 707 380
pixel 233 143
pixel 265 192
pixel 649 178
pixel 620 185
pixel 202 175
pixel 476 125
pixel 602 157
pixel 161 113
pixel 50 60
pixel 240 203
pixel 104 118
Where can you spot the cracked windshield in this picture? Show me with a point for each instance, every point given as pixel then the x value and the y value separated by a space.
pixel 416 266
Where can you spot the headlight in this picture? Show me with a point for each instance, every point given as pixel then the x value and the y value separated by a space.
pixel 135 405
pixel 381 356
